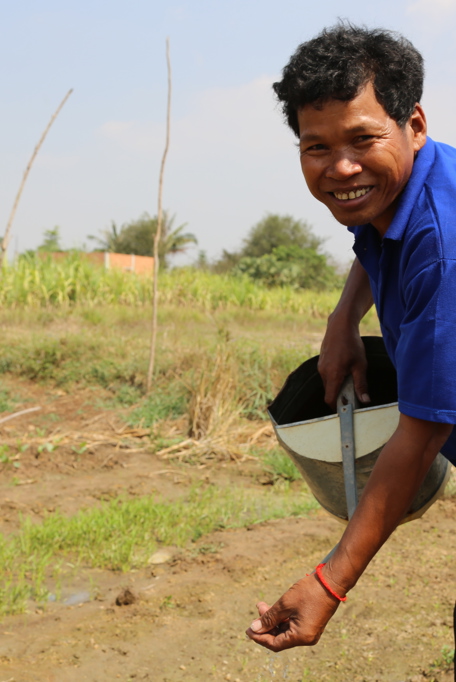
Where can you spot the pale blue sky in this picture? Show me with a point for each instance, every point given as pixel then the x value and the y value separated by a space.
pixel 231 158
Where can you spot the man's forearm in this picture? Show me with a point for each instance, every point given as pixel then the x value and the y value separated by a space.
pixel 342 351
pixel 356 298
pixel 394 482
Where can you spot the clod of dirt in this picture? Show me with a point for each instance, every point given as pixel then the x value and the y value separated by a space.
pixel 160 557
pixel 126 597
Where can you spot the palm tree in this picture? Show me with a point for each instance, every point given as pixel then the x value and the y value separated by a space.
pixel 138 237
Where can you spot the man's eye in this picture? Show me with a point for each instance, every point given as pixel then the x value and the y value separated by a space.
pixel 364 138
pixel 313 148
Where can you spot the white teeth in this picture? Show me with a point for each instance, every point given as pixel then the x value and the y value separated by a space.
pixel 343 196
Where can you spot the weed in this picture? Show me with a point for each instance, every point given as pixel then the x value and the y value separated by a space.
pixel 127 395
pixel 168 603
pixel 48 447
pixel 4 454
pixel 280 465
pixel 7 458
pixel 79 449
pixel 165 402
pixel 6 403
pixel 93 316
pixel 445 660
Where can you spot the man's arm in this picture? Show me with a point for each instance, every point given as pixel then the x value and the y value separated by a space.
pixel 299 617
pixel 342 351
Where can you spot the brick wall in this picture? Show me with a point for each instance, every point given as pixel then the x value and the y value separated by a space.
pixel 117 261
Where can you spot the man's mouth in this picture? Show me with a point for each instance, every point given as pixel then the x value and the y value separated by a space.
pixel 352 194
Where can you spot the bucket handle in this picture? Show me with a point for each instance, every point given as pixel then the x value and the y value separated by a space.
pixel 346 404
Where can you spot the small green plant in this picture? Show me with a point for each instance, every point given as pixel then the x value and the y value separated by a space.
pixel 4 454
pixel 165 402
pixel 7 458
pixel 445 660
pixel 168 603
pixel 48 447
pixel 280 466
pixel 79 449
pixel 5 401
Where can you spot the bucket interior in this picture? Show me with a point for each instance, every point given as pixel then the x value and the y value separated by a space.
pixel 302 396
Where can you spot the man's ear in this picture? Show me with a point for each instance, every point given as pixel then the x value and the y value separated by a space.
pixel 418 126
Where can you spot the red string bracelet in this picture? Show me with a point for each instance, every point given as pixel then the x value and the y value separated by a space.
pixel 325 584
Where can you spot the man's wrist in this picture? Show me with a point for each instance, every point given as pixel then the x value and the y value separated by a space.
pixel 340 579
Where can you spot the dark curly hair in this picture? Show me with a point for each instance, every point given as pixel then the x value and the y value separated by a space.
pixel 341 60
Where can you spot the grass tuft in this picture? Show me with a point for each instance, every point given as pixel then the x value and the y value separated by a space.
pixel 277 463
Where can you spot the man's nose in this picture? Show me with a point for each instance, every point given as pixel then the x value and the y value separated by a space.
pixel 342 165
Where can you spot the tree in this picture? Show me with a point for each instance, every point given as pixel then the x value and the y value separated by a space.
pixel 51 241
pixel 279 230
pixel 272 231
pixel 138 237
pixel 227 261
pixel 300 268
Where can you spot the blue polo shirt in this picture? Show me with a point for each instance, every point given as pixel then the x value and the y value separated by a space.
pixel 412 272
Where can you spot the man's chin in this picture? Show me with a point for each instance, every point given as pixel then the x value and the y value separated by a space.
pixel 345 220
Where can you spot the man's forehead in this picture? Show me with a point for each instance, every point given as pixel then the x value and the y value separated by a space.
pixel 360 115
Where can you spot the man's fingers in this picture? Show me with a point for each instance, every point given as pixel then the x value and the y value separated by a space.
pixel 284 636
pixel 360 384
pixel 270 618
pixel 334 384
pixel 278 642
pixel 257 625
pixel 332 388
pixel 262 607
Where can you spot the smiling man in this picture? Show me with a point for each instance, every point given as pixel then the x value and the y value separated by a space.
pixel 351 96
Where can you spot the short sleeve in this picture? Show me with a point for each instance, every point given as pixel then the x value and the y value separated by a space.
pixel 426 349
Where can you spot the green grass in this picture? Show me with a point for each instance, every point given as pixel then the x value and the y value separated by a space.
pixel 122 534
pixel 6 402
pixel 445 660
pixel 113 355
pixel 68 323
pixel 74 281
pixel 165 402
pixel 225 346
pixel 277 463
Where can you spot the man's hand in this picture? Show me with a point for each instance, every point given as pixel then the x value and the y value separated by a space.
pixel 301 614
pixel 342 351
pixel 298 618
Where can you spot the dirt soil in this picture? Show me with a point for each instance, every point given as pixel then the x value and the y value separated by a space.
pixel 184 619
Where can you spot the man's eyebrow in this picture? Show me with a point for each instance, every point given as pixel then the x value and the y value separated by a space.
pixel 354 130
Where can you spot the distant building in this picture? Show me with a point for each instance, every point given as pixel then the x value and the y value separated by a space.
pixel 116 261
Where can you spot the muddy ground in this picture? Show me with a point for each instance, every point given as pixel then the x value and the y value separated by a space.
pixel 184 619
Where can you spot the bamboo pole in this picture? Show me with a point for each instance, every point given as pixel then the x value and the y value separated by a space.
pixel 6 236
pixel 157 237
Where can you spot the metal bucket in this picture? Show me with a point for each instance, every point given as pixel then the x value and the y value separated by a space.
pixel 310 433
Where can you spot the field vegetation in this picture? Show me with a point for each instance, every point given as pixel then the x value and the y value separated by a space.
pixel 92 492
pixel 226 346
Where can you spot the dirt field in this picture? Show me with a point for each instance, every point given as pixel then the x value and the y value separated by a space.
pixel 184 618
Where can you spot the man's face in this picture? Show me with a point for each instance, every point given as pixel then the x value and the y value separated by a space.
pixel 356 159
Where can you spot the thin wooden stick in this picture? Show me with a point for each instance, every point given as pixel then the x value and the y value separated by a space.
pixel 157 237
pixel 19 414
pixel 6 236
